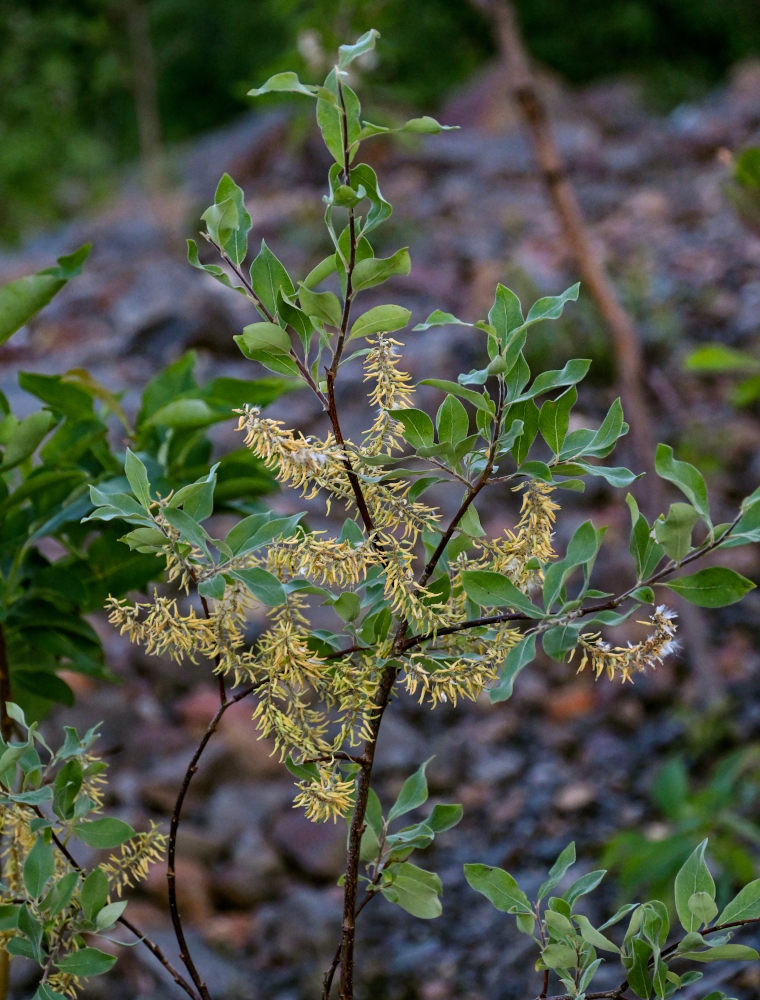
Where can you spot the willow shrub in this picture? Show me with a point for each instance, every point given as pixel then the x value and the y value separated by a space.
pixel 423 602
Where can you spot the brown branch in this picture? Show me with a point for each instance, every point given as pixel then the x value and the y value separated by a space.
pixel 171 853
pixel 625 339
pixel 350 911
pixel 327 980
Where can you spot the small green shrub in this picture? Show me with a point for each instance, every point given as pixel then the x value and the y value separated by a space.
pixel 423 602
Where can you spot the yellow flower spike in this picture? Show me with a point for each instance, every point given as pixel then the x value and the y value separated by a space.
pixel 307 464
pixel 623 661
pixel 134 858
pixel 327 797
pixel 531 539
pixel 392 391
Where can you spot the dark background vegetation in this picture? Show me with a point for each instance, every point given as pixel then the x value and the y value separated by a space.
pixel 71 73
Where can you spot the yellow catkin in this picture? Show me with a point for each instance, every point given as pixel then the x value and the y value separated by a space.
pixel 392 390
pixel 327 561
pixel 532 538
pixel 133 859
pixel 621 662
pixel 328 797
pixel 305 463
pixel 450 681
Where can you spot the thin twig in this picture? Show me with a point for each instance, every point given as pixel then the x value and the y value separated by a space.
pixel 171 876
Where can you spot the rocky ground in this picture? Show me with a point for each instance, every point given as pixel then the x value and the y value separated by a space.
pixel 565 759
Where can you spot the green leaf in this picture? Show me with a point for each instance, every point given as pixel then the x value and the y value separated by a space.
pixel 38 868
pixel 558 870
pixel 60 893
pixel 425 125
pixel 257 530
pixel 45 992
pixel 213 588
pixel 304 772
pixel 413 793
pixel 418 427
pixel 593 936
pixel 228 221
pixel 581 551
pixel 331 119
pixel 722 953
pixel 269 278
pixel 528 413
pixel 452 422
pixel 137 477
pixel 25 436
pixel 505 315
pixel 612 428
pixel 480 400
pixel 444 816
pixel 218 273
pixel 645 551
pixel 439 318
pixel 189 529
pixel 68 783
pixel 104 832
pixel 499 888
pixel 552 306
pixel 744 906
pixel 94 894
pixel 559 956
pixel 674 531
pixel 323 307
pixel 86 962
pixel 386 318
pixel 572 373
pixel 558 641
pixel 268 337
pixel 686 477
pixel 517 658
pixel 347 606
pixel 715 587
pixel 264 586
pixel 22 298
pixel 554 418
pixel 493 590
pixel 747 529
pixel 617 476
pixel 702 905
pixel 693 876
pixel 268 344
pixel 286 82
pixel 637 966
pixel 347 53
pixel 375 270
pixel 413 889
pixel 109 914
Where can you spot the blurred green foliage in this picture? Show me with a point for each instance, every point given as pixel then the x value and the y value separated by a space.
pixel 721 806
pixel 67 71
